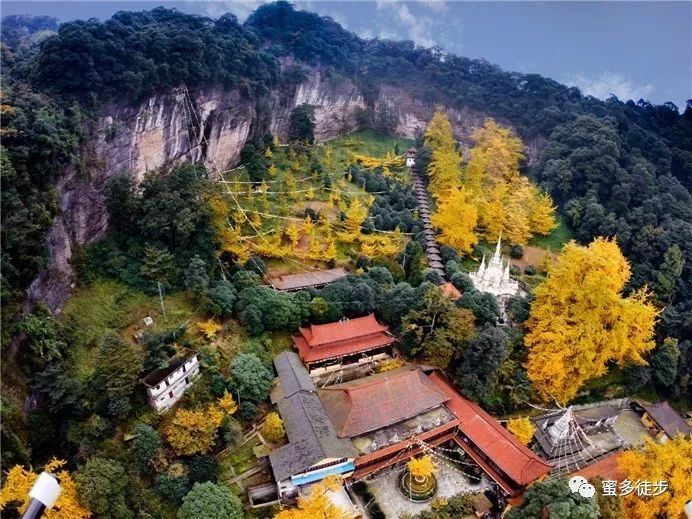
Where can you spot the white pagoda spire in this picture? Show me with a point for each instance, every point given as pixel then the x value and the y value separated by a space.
pixel 561 429
pixel 493 277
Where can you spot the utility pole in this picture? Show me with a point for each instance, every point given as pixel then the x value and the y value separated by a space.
pixel 163 307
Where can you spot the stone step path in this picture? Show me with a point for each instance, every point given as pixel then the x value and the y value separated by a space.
pixel 432 248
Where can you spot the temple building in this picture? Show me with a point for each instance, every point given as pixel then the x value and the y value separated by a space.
pixel 580 436
pixel 357 428
pixel 314 279
pixel 345 343
pixel 494 277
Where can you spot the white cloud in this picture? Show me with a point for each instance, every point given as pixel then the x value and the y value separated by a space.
pixel 418 28
pixel 241 8
pixel 610 83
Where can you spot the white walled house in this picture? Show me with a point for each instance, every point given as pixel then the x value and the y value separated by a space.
pixel 410 157
pixel 165 386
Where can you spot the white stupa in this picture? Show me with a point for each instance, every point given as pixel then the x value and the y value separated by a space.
pixel 494 277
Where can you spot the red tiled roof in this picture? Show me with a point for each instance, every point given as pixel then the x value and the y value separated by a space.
pixel 450 290
pixel 340 349
pixel 606 468
pixel 514 458
pixel 333 340
pixel 374 402
pixel 318 334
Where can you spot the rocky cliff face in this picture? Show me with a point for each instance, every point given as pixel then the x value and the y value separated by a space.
pixel 208 125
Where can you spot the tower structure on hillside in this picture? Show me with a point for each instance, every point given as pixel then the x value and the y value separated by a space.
pixel 493 276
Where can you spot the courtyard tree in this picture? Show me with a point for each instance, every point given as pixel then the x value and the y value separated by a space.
pixel 522 428
pixel 421 467
pixel 580 322
pixel 553 498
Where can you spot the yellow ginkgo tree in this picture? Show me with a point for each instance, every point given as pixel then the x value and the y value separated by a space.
pixel 580 322
pixel 18 483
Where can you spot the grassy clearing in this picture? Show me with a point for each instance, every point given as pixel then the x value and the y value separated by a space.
pixel 239 460
pixel 108 305
pixel 370 142
pixel 556 239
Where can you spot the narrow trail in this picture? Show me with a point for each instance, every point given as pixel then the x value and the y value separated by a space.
pixel 432 248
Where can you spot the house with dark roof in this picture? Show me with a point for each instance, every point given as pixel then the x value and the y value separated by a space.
pixel 314 451
pixel 338 345
pixel 165 386
pixel 663 421
pixel 313 279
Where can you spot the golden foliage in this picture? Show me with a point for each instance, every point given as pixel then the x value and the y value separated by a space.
pixel 456 217
pixel 422 467
pixel 316 504
pixel 522 428
pixel 194 431
pixel 227 404
pixel 209 328
pixel 356 213
pixel 18 483
pixel 293 234
pixel 273 428
pixel 670 461
pixel 444 169
pixel 504 201
pixel 390 364
pixel 580 322
pixel 228 236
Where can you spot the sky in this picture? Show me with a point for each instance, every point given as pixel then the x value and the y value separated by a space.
pixel 631 49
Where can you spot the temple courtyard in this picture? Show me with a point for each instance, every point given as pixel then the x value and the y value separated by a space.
pixel 450 481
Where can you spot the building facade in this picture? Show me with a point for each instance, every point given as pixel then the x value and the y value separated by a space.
pixel 342 344
pixel 166 386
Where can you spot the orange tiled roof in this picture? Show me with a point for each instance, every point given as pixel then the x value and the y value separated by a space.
pixel 377 401
pixel 450 290
pixel 333 340
pixel 514 458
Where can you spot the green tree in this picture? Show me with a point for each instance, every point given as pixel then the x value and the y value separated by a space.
pixel 157 266
pixel 664 362
pixel 669 274
pixel 554 497
pixel 480 362
pixel 223 295
pixel 483 305
pixel 302 124
pixel 196 277
pixel 46 338
pixel 436 328
pixel 610 506
pixel 147 443
pixel 210 501
pixel 118 365
pixel 101 484
pixel 251 377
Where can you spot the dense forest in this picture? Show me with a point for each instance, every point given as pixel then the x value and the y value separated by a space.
pixel 614 168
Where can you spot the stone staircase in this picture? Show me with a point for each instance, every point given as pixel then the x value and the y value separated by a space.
pixel 432 248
